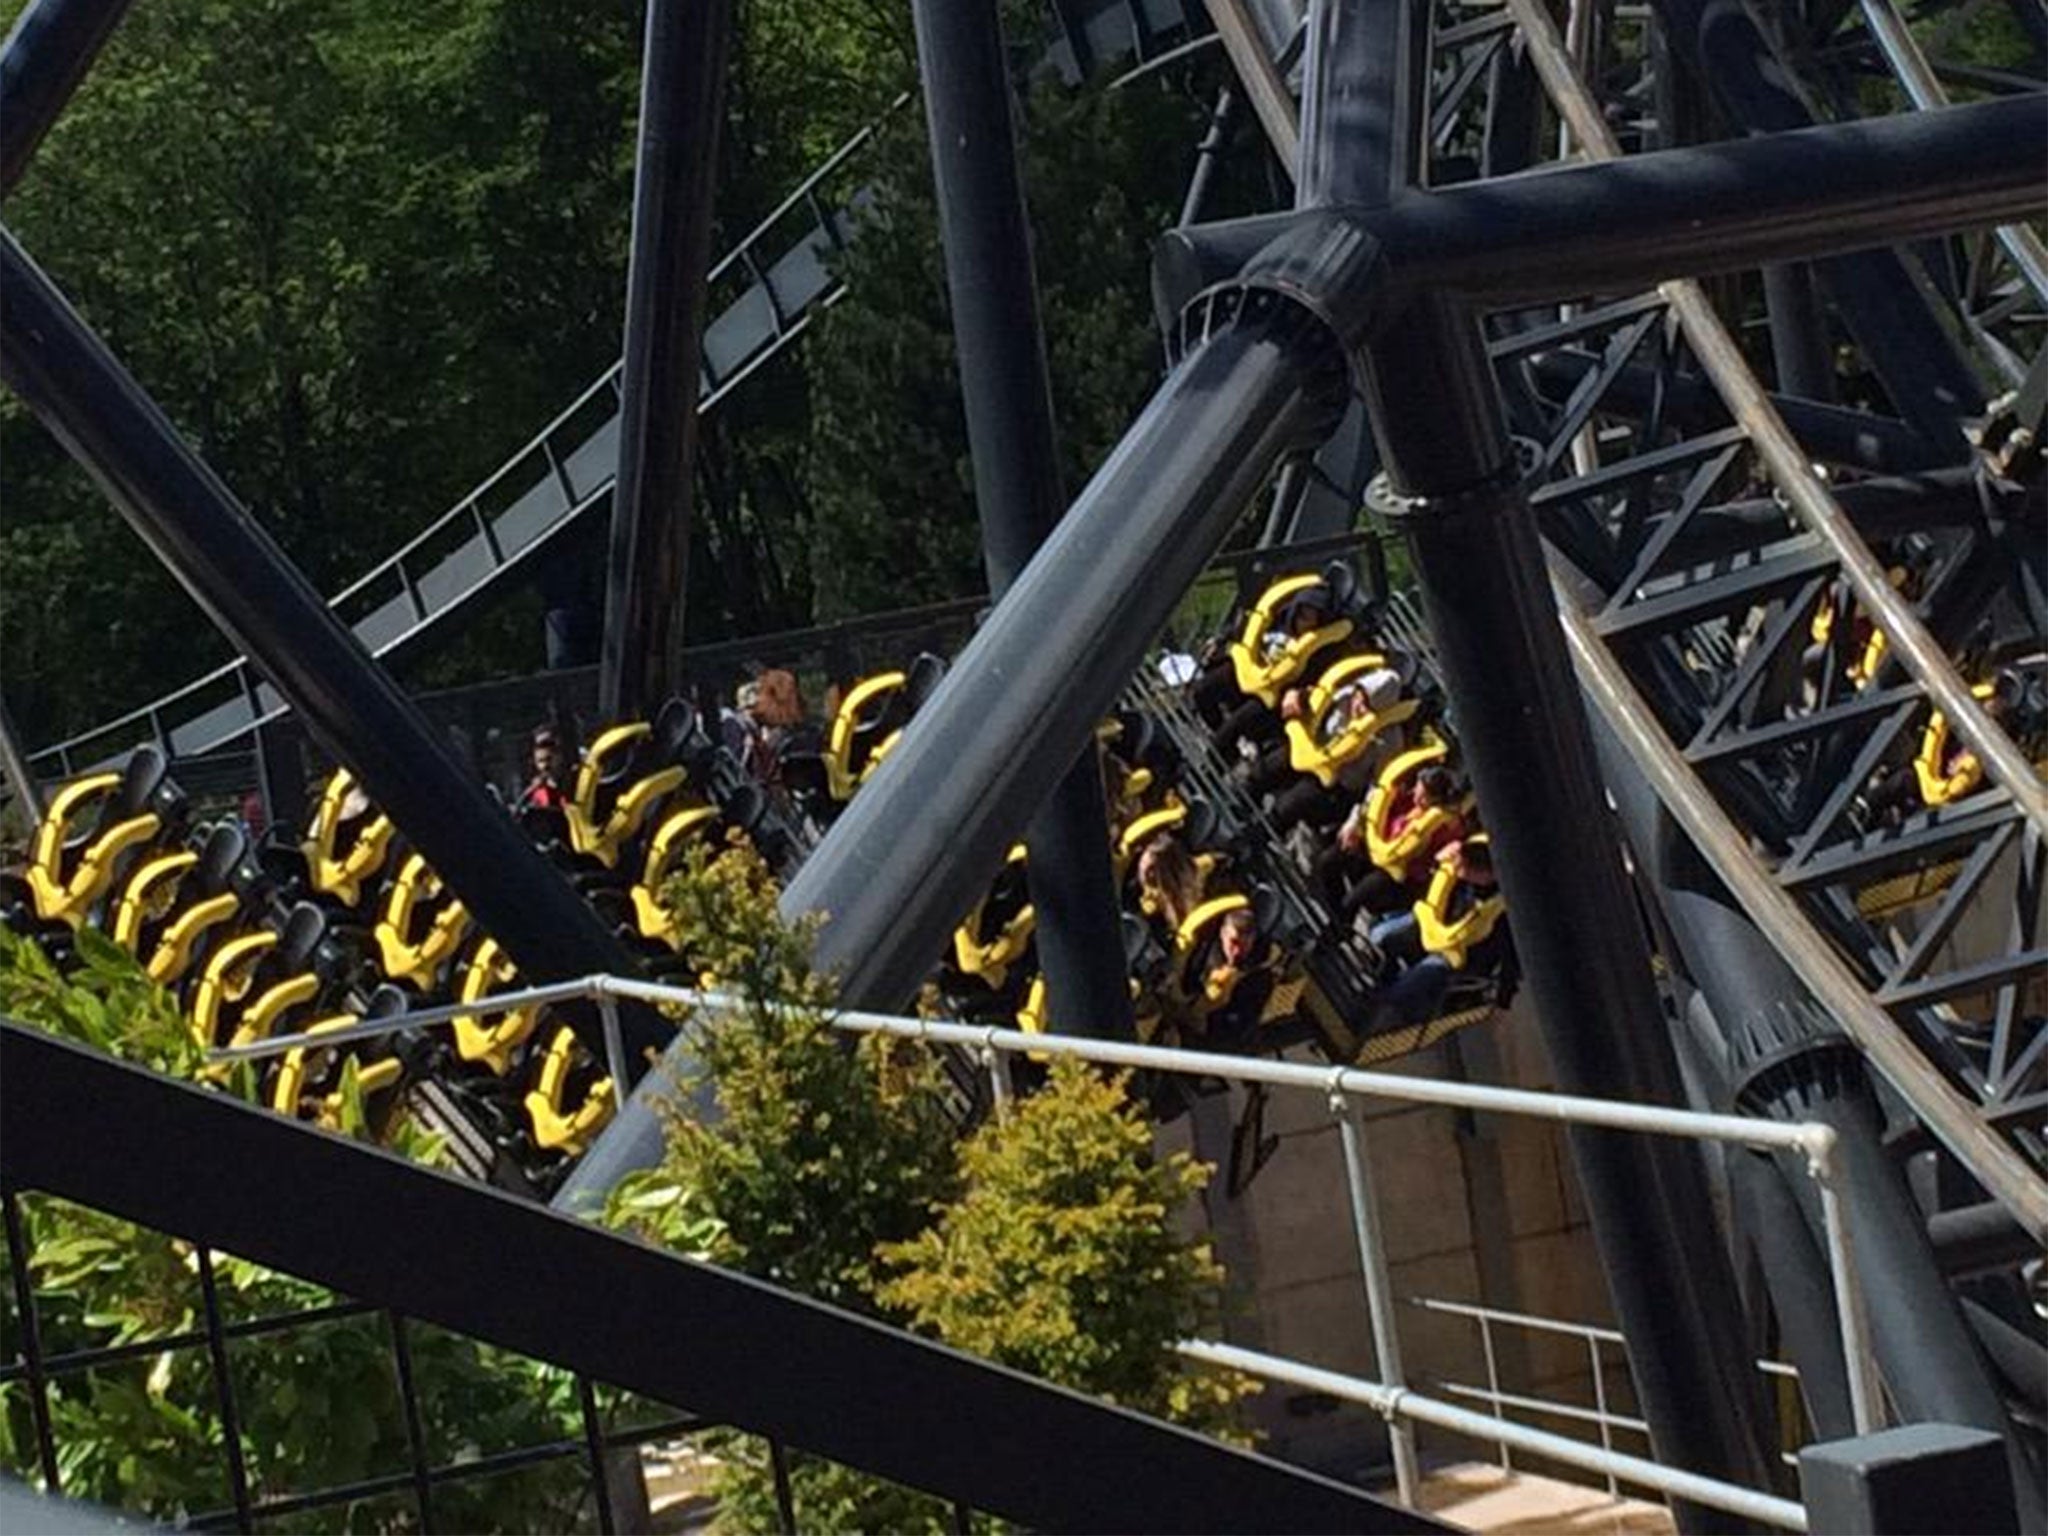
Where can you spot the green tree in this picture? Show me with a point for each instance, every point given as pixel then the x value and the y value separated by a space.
pixel 1052 1243
pixel 888 475
pixel 817 1154
pixel 1064 1255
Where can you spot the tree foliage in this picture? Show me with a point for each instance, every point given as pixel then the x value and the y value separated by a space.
pixel 1050 1241
pixel 1063 1256
pixel 361 251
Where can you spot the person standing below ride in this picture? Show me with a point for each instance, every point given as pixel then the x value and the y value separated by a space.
pixel 1416 977
pixel 544 791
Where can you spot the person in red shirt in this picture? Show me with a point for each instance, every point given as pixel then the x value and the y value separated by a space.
pixel 544 791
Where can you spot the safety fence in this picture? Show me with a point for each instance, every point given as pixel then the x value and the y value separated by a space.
pixel 1342 1089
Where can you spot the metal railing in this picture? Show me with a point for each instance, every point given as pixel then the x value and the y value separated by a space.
pixel 1595 1336
pixel 1341 1088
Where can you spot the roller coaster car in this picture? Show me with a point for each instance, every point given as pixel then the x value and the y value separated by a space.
pixel 308 1083
pixel 491 1039
pixel 627 772
pixel 1267 658
pixel 997 933
pixel 175 903
pixel 349 842
pixel 870 721
pixel 556 1128
pixel 70 868
pixel 1395 850
pixel 421 927
pixel 1332 732
pixel 678 830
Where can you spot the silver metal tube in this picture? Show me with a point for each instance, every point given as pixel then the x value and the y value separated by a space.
pixel 1600 1407
pixel 998 1078
pixel 614 1047
pixel 1925 90
pixel 1563 1108
pixel 1866 1401
pixel 1544 1405
pixel 1520 1319
pixel 1381 1398
pixel 1379 1287
pixel 376 1029
pixel 1493 1382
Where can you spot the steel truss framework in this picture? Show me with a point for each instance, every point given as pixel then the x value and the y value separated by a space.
pixel 1708 580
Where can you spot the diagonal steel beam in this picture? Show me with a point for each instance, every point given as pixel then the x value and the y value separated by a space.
pixel 49 50
pixel 1721 359
pixel 100 1132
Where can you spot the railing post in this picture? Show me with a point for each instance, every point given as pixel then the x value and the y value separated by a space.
pixel 1600 1402
pixel 1866 1402
pixel 1493 1383
pixel 1379 1297
pixel 614 1047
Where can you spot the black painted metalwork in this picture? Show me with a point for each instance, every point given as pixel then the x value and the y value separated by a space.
pixel 99 1132
pixel 47 54
pixel 1523 733
pixel 682 92
pixel 1014 444
pixel 237 574
pixel 1879 300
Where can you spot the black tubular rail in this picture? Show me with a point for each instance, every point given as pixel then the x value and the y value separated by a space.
pixel 99 1132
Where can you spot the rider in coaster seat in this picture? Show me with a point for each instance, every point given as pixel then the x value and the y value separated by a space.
pixel 1459 928
pixel 1387 847
pixel 1228 969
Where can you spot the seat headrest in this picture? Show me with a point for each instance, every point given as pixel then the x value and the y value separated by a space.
pixel 743 805
pixel 387 1002
pixel 304 928
pixel 1342 581
pixel 1265 907
pixel 224 848
pixel 674 725
pixel 142 777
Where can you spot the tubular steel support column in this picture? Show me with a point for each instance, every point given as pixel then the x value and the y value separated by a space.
pixel 1021 703
pixel 1524 734
pixel 1011 433
pixel 1364 86
pixel 47 54
pixel 681 95
pixel 256 598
